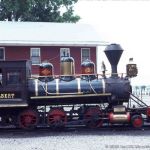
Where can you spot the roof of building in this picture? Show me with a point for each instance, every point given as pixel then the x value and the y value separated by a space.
pixel 46 34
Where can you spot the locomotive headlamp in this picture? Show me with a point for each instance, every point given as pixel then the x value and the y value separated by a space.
pixel 131 69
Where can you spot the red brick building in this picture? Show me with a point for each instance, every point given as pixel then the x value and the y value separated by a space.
pixel 40 42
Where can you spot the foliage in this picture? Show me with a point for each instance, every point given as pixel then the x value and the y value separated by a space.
pixel 38 10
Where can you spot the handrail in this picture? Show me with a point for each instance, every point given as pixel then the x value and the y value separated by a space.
pixel 80 75
pixel 137 99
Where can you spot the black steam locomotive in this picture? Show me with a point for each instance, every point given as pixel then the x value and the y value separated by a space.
pixel 88 99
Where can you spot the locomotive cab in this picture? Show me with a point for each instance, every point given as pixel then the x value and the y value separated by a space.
pixel 13 83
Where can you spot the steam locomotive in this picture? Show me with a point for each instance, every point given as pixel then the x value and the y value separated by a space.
pixel 89 99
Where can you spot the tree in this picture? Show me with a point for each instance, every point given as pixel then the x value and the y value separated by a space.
pixel 38 10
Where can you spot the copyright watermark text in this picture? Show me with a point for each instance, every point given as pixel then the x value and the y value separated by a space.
pixel 128 146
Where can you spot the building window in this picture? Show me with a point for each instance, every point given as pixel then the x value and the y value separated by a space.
pixel 85 54
pixel 64 52
pixel 35 56
pixel 2 53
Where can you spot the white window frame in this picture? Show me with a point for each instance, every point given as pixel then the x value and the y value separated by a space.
pixel 67 50
pixel 3 52
pixel 31 51
pixel 82 53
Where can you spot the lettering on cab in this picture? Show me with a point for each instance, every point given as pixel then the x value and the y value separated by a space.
pixel 7 95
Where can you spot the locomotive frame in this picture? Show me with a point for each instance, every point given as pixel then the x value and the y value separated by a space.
pixel 88 99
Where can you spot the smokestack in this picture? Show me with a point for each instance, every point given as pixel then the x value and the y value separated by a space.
pixel 113 53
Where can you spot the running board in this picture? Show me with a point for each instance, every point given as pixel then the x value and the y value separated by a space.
pixel 70 96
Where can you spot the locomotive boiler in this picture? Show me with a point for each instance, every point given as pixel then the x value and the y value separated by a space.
pixel 88 88
pixel 57 101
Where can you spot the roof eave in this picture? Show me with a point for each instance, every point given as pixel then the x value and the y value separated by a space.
pixel 29 43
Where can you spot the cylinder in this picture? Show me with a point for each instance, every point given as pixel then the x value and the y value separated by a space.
pixel 119 118
pixel 46 69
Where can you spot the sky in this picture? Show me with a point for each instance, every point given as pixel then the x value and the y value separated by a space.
pixel 125 22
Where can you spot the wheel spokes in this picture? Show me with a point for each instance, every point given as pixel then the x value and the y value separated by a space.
pixel 56 118
pixel 28 119
pixel 92 117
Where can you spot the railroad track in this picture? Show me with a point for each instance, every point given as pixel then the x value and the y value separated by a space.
pixel 80 129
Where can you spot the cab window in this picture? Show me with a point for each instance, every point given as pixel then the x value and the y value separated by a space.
pixel 13 78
